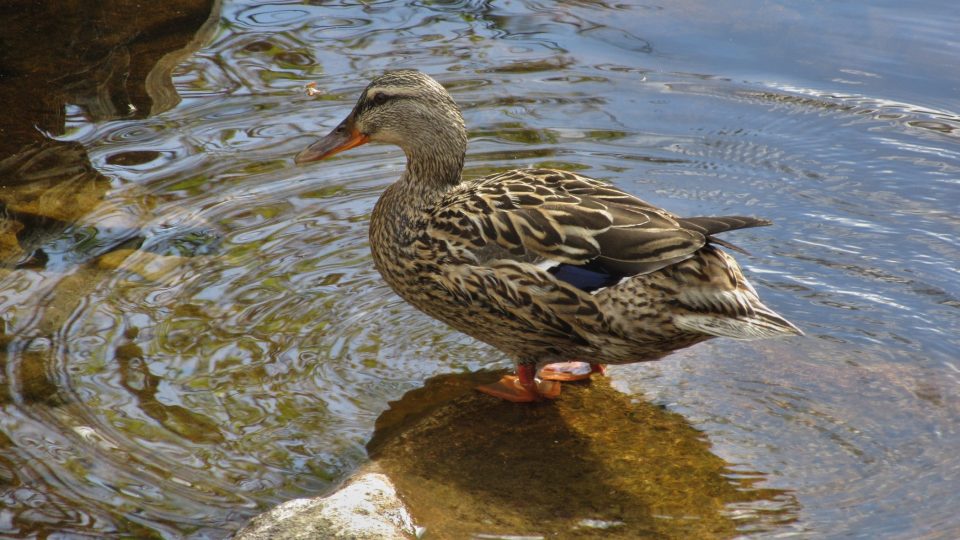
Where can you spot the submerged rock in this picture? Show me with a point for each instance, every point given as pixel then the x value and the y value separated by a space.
pixel 367 507
pixel 596 462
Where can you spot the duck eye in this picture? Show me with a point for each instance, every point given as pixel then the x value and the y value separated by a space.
pixel 379 99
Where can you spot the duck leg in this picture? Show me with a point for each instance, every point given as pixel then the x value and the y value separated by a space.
pixel 571 371
pixel 523 387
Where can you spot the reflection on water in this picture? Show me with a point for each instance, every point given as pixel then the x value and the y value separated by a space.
pixel 595 463
pixel 192 328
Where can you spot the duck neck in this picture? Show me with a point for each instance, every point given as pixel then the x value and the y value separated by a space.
pixel 434 165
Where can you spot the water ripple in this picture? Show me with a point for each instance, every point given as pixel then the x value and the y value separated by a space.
pixel 213 337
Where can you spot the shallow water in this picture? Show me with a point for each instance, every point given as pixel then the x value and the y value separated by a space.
pixel 210 337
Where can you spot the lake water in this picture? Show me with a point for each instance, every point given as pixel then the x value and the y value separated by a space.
pixel 211 337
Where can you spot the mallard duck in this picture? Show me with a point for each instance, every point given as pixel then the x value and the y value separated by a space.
pixel 546 265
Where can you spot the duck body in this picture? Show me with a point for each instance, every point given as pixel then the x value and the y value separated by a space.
pixel 546 265
pixel 462 260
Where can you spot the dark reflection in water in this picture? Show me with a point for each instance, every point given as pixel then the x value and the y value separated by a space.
pixel 596 463
pixel 192 329
pixel 129 159
pixel 137 379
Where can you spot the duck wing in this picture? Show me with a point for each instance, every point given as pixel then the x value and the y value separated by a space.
pixel 584 231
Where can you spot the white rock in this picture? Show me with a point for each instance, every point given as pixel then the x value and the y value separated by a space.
pixel 367 507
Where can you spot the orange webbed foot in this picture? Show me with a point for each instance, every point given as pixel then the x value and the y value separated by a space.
pixel 510 388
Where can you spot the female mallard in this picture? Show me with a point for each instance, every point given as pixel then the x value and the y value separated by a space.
pixel 545 265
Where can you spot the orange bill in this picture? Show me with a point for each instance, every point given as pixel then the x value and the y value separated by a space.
pixel 343 137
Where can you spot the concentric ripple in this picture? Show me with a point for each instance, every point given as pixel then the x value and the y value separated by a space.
pixel 212 338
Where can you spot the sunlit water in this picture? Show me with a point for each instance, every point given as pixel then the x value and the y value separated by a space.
pixel 241 355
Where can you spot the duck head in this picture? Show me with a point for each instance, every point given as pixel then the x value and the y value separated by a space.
pixel 405 108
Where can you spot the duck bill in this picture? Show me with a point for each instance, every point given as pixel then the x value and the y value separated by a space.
pixel 344 137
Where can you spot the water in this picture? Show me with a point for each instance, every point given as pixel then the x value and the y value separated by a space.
pixel 208 337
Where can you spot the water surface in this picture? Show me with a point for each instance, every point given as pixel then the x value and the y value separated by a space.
pixel 208 336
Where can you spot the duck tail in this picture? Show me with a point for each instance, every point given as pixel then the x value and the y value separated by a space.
pixel 724 303
pixel 765 322
pixel 757 322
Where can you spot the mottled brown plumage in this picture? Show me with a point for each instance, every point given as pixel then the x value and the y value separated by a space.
pixel 545 265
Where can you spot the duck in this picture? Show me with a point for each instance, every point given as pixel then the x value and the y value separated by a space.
pixel 562 273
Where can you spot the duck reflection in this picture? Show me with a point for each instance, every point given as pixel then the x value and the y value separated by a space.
pixel 596 459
